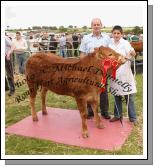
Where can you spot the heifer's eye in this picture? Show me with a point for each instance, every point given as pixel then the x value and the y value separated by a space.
pixel 110 54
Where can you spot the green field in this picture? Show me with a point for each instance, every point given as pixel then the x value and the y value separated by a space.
pixel 17 145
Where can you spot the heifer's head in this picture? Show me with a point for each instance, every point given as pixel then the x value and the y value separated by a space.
pixel 109 60
pixel 108 53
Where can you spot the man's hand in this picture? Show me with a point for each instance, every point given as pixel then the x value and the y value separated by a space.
pixel 19 50
pixel 123 59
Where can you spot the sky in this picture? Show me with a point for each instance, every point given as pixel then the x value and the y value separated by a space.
pixel 76 14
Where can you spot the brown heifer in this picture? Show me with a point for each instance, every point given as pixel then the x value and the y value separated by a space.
pixel 138 46
pixel 79 78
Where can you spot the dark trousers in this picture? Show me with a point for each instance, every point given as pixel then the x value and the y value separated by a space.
pixel 69 52
pixel 9 74
pixel 13 61
pixel 53 49
pixel 75 50
pixel 104 104
pixel 6 84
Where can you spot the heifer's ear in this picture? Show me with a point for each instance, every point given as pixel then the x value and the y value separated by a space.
pixel 101 52
pixel 96 49
pixel 101 48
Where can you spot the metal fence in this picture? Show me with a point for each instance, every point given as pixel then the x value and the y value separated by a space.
pixel 68 47
pixel 69 53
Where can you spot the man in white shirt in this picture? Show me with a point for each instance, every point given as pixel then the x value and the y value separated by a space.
pixel 44 41
pixel 19 46
pixel 32 43
pixel 62 42
pixel 8 67
pixel 89 42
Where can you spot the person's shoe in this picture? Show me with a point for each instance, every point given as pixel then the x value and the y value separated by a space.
pixel 114 119
pixel 10 93
pixel 106 116
pixel 6 89
pixel 133 121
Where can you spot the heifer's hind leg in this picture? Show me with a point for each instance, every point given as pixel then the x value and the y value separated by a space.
pixel 82 108
pixel 43 99
pixel 33 93
pixel 94 106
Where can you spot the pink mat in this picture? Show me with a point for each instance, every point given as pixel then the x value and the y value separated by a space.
pixel 64 126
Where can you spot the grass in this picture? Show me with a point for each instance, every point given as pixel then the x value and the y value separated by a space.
pixel 17 111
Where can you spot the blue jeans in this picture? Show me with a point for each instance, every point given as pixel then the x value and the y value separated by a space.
pixel 63 51
pixel 131 107
pixel 21 61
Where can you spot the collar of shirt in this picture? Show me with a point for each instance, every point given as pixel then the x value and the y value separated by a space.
pixel 98 37
pixel 19 41
pixel 119 42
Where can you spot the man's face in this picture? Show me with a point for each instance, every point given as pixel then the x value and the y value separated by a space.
pixel 96 25
pixel 45 35
pixel 31 35
pixel 18 36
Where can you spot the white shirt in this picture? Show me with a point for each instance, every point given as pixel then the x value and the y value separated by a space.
pixel 89 42
pixel 62 41
pixel 31 43
pixel 124 83
pixel 8 44
pixel 20 44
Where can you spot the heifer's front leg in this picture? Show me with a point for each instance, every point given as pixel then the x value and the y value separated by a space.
pixel 82 108
pixel 94 106
pixel 43 99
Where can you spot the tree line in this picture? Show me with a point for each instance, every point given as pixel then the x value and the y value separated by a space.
pixel 71 28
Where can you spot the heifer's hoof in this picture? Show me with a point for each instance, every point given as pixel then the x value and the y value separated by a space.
pixel 35 119
pixel 44 113
pixel 100 126
pixel 85 135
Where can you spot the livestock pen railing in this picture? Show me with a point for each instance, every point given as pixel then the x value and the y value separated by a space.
pixel 63 51
pixel 69 48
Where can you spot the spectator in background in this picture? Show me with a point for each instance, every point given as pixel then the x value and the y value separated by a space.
pixel 13 55
pixel 129 36
pixel 19 46
pixel 53 44
pixel 134 38
pixel 62 42
pixel 8 67
pixel 75 44
pixel 32 43
pixel 80 38
pixel 140 37
pixel 44 41
pixel 69 46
